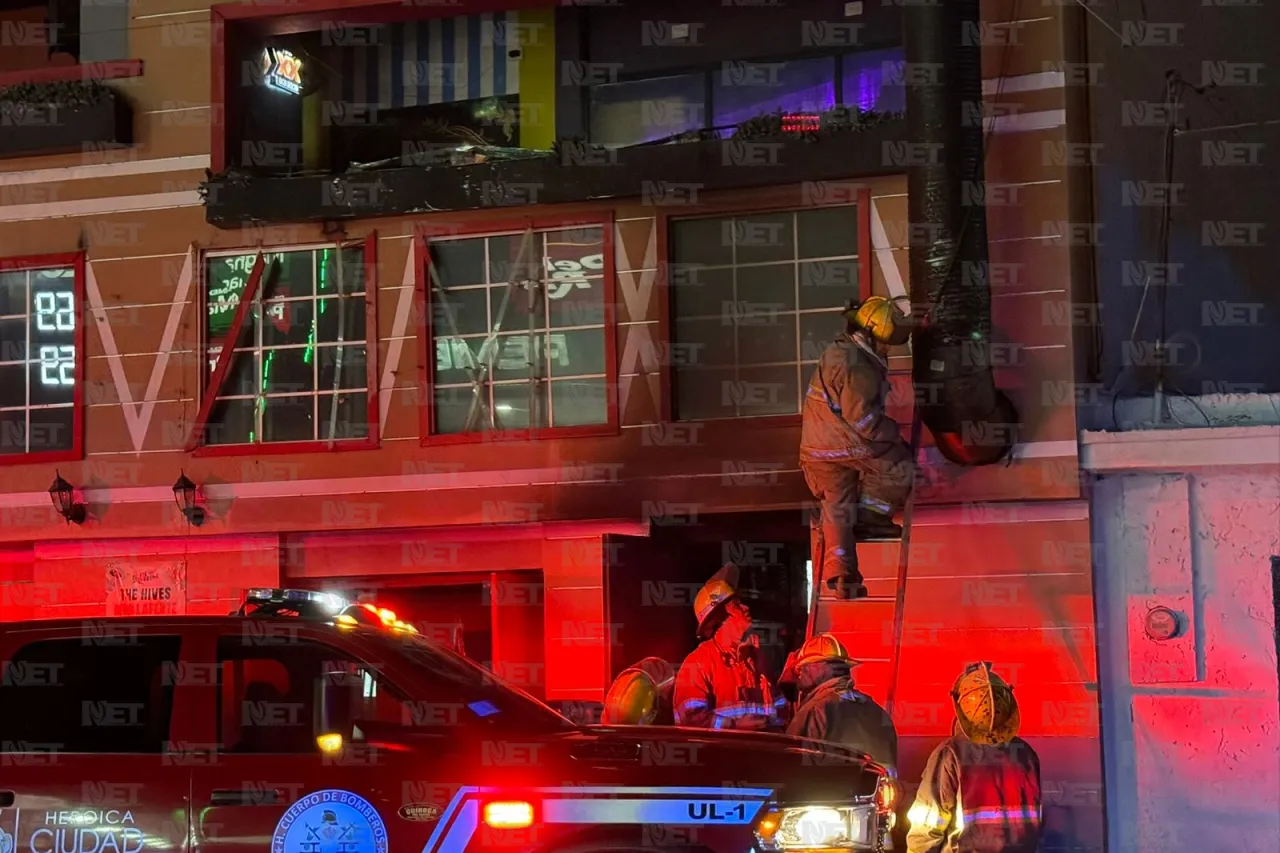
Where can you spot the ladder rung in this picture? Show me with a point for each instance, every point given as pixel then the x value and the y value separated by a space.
pixel 870 599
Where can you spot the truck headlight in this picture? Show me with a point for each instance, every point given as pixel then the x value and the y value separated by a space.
pixel 817 828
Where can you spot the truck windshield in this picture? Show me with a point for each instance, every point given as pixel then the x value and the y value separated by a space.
pixel 467 693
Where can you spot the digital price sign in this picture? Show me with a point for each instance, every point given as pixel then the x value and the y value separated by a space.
pixel 38 317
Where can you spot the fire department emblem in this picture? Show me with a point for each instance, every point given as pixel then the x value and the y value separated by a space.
pixel 330 822
pixel 6 842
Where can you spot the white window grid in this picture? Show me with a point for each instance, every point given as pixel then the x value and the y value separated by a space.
pixel 542 375
pixel 260 352
pixel 803 362
pixel 59 363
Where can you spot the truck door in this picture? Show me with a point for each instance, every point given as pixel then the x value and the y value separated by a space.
pixel 271 785
pixel 85 718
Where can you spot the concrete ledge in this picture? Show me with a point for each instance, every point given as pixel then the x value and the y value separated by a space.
pixel 1180 449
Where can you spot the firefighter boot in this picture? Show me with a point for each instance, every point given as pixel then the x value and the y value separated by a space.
pixel 875 525
pixel 846 587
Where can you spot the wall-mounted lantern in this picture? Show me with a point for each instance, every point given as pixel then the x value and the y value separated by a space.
pixel 281 70
pixel 63 495
pixel 184 494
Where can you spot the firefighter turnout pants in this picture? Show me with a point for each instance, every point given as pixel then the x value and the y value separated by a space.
pixel 880 484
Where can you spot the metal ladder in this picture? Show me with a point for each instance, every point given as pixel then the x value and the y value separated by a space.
pixel 899 598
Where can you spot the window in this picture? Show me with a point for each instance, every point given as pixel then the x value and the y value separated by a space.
pixel 279 698
pixel 755 299
pixel 634 111
pixel 301 370
pixel 74 696
pixel 39 337
pixel 648 110
pixel 519 322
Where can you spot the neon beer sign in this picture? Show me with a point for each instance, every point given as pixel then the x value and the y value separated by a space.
pixel 282 70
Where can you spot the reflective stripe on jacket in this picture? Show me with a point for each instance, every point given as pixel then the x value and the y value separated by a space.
pixel 844 408
pixel 718 690
pixel 977 799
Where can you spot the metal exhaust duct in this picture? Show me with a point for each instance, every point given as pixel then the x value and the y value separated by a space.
pixel 971 420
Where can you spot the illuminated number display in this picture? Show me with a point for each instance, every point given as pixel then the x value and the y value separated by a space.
pixel 38 359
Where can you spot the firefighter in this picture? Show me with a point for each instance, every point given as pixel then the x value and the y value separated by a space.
pixel 854 459
pixel 722 683
pixel 830 709
pixel 981 788
pixel 641 695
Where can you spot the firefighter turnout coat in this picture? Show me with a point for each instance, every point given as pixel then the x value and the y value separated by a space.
pixel 844 408
pixel 830 709
pixel 716 689
pixel 977 798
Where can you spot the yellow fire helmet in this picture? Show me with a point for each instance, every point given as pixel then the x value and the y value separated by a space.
pixel 822 647
pixel 986 710
pixel 633 698
pixel 881 318
pixel 713 595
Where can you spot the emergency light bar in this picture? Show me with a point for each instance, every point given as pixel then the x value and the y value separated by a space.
pixel 325 600
pixel 269 601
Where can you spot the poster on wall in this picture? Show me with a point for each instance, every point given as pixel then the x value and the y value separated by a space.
pixel 158 589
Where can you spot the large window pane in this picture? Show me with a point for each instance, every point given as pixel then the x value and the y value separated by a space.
pixel 873 81
pixel 550 324
pixel 646 110
pixel 754 332
pixel 309 301
pixel 745 90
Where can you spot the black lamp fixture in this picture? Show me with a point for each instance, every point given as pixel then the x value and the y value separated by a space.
pixel 63 495
pixel 184 494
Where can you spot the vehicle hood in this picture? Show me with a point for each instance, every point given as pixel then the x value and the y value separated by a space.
pixel 661 756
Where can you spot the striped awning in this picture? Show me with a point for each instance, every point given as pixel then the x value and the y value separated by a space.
pixel 433 62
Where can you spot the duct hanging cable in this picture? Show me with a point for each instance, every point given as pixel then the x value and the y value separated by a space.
pixel 971 421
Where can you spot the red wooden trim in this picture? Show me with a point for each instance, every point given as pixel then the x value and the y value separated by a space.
pixel 662 284
pixel 196 439
pixel 75 260
pixel 477 226
pixel 280 448
pixel 864 244
pixel 371 360
pixel 422 320
pixel 217 92
pixel 115 70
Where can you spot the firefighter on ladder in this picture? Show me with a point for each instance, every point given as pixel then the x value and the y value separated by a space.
pixel 722 683
pixel 981 788
pixel 854 459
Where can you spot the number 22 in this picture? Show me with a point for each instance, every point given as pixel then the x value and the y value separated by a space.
pixel 55 312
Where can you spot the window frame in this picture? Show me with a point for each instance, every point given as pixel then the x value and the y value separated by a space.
pixel 708 74
pixel 373 441
pixel 791 199
pixel 179 733
pixel 472 228
pixel 77 261
pixel 343 652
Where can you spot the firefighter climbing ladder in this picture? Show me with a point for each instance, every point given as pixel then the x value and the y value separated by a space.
pixel 900 587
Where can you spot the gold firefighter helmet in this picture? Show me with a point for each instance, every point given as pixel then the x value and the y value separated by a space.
pixel 634 697
pixel 986 709
pixel 822 647
pixel 881 318
pixel 714 594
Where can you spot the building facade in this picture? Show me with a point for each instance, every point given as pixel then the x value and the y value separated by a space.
pixel 291 284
